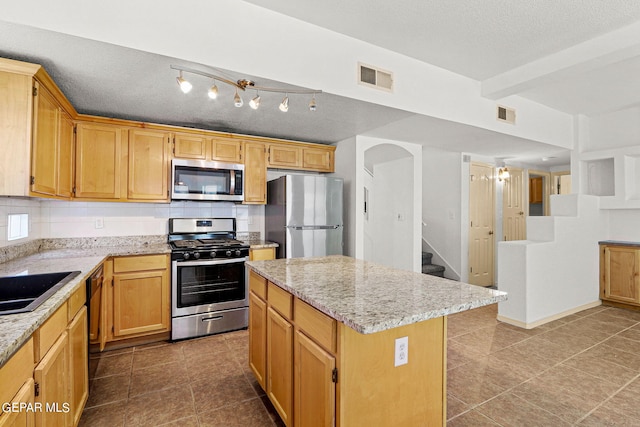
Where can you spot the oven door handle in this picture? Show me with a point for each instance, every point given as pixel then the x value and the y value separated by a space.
pixel 210 262
pixel 211 319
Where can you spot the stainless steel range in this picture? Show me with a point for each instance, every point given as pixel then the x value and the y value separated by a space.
pixel 209 284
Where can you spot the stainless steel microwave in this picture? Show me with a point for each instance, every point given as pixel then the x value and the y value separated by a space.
pixel 210 181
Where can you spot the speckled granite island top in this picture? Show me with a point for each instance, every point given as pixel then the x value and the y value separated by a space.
pixel 370 297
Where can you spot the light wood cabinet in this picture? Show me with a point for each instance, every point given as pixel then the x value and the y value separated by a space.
pixel 261 254
pixel 535 190
pixel 52 378
pixel 280 364
pixel 226 150
pixel 21 418
pixel 284 156
pixel 17 385
pixel 100 161
pixel 301 157
pixel 318 159
pixel 190 146
pixel 255 173
pixel 149 164
pixel 620 274
pixel 78 370
pixel 139 296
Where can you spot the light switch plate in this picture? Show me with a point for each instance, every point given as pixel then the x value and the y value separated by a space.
pixel 402 351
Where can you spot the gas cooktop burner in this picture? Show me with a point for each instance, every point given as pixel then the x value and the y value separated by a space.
pixel 206 243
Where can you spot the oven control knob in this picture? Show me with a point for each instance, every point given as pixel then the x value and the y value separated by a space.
pixel 228 253
pixel 186 255
pixel 196 255
pixel 213 254
pixel 238 252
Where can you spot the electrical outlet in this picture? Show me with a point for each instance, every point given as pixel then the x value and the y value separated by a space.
pixel 99 223
pixel 402 351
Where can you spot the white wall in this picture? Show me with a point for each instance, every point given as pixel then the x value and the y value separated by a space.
pixel 275 46
pixel 442 206
pixel 345 160
pixel 56 219
pixel 613 130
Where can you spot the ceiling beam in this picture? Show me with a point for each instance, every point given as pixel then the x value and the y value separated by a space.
pixel 599 52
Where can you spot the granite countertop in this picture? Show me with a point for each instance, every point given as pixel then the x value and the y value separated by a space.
pixel 261 244
pixel 78 255
pixel 370 297
pixel 619 243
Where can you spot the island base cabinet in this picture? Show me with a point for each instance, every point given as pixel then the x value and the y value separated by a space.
pixel 21 418
pixel 258 338
pixel 52 377
pixel 280 364
pixel 371 390
pixel 314 393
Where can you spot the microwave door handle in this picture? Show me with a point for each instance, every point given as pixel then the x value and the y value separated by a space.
pixel 232 182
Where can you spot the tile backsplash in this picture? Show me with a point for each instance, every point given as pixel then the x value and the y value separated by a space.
pixel 60 219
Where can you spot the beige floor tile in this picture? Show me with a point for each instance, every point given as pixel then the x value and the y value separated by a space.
pixel 460 354
pixel 251 413
pixel 614 355
pixel 161 407
pixel 490 339
pixel 213 393
pixel 204 347
pixel 455 406
pixel 158 377
pixel 606 416
pixel 191 421
pixel 601 368
pixel 107 365
pixel 109 415
pixel 510 410
pixel 108 389
pixel 147 357
pixel 573 381
pixel 472 419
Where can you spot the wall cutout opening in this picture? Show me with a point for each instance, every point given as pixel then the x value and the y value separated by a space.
pixel 18 226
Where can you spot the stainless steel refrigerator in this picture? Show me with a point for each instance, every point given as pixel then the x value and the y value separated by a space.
pixel 304 215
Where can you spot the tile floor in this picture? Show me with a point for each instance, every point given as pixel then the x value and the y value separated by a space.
pixel 581 370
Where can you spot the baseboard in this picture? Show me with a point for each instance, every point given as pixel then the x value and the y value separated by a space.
pixel 540 322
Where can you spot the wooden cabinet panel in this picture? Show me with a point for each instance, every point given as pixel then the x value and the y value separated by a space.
pixel 285 156
pixel 317 325
pixel 258 285
pixel 262 254
pixel 100 151
pixel 255 173
pixel 21 418
pixel 280 364
pixel 78 369
pixel 16 371
pixel 140 303
pixel 52 377
pixel 66 148
pixel 258 338
pixel 76 302
pixel 280 300
pixel 620 278
pixel 190 146
pixel 535 190
pixel 139 263
pixel 148 165
pixel 318 159
pixel 315 391
pixel 46 116
pixel 49 332
pixel 226 150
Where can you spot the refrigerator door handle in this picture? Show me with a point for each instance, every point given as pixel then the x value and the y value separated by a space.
pixel 313 227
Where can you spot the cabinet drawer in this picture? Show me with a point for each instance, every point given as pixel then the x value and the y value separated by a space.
pixel 139 263
pixel 76 301
pixel 262 254
pixel 258 284
pixel 280 300
pixel 16 371
pixel 49 332
pixel 319 326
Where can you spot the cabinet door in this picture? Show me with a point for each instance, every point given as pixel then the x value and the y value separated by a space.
pixel 45 142
pixel 78 368
pixel 140 303
pixel 622 267
pixel 148 165
pixel 262 254
pixel 285 156
pixel 52 377
pixel 280 364
pixel 65 156
pixel 226 150
pixel 21 418
pixel 317 159
pixel 258 338
pixel 315 391
pixel 255 173
pixel 188 146
pixel 99 161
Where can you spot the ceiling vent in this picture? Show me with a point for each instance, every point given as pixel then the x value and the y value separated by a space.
pixel 504 114
pixel 375 77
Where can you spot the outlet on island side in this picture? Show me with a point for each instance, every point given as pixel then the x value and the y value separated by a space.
pixel 402 351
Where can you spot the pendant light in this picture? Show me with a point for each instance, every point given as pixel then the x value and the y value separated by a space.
pixel 185 86
pixel 237 100
pixel 255 102
pixel 312 104
pixel 213 91
pixel 284 105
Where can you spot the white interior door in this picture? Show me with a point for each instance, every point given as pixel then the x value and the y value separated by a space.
pixel 481 231
pixel 513 208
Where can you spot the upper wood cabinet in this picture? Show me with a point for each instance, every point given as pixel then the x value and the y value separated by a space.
pixel 205 147
pixel 226 150
pixel 149 164
pixel 284 156
pixel 255 176
pixel 100 159
pixel 318 158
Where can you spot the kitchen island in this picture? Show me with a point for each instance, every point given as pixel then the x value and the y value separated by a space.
pixel 335 339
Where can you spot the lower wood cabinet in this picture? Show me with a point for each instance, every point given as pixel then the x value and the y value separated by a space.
pixel 280 364
pixel 16 377
pixel 262 254
pixel 140 296
pixel 620 274
pixel 78 356
pixel 17 418
pixel 52 376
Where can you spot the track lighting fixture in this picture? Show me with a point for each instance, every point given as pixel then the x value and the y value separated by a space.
pixel 185 86
pixel 213 91
pixel 243 84
pixel 237 100
pixel 255 102
pixel 503 174
pixel 284 105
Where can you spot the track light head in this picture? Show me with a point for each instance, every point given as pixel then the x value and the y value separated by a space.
pixel 284 105
pixel 312 104
pixel 213 91
pixel 255 102
pixel 237 100
pixel 185 86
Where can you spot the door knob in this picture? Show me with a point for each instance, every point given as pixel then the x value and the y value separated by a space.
pixel 520 213
pixel 490 232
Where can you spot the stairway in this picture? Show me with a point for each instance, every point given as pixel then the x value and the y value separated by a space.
pixel 432 269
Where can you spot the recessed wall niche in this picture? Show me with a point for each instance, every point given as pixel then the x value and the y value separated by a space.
pixel 601 177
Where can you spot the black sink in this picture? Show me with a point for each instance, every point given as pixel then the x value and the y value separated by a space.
pixel 19 294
